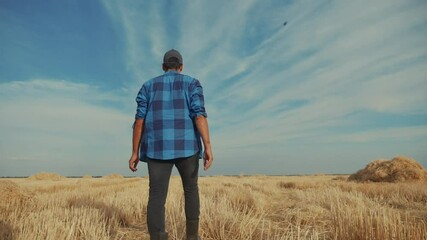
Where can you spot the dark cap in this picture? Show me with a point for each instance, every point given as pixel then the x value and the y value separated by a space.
pixel 172 56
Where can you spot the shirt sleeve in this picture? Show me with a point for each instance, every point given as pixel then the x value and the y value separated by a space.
pixel 197 101
pixel 142 103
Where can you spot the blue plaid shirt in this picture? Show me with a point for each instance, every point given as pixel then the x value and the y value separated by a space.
pixel 168 104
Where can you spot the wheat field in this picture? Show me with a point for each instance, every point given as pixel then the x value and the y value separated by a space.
pixel 240 207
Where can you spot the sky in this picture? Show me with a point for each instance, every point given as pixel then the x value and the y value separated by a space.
pixel 342 84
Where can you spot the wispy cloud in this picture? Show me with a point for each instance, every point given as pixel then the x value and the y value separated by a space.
pixel 143 28
pixel 54 125
pixel 397 134
pixel 269 83
pixel 280 93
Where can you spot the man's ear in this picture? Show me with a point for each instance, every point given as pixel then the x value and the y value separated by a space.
pixel 180 68
pixel 164 67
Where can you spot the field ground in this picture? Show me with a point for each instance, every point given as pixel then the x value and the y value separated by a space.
pixel 245 207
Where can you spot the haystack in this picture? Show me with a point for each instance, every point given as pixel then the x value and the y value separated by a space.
pixel 11 192
pixel 87 176
pixel 113 176
pixel 399 169
pixel 46 176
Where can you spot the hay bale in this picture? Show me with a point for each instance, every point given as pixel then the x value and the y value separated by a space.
pixel 113 176
pixel 399 169
pixel 11 192
pixel 46 176
pixel 87 177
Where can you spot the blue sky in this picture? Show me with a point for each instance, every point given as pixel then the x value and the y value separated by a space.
pixel 342 84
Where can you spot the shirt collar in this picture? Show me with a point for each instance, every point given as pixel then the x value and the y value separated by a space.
pixel 171 72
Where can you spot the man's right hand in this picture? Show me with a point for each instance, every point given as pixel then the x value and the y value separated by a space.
pixel 207 159
pixel 133 162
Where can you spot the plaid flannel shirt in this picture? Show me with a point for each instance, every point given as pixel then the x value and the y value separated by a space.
pixel 168 104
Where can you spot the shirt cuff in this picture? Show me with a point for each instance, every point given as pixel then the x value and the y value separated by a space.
pixel 195 115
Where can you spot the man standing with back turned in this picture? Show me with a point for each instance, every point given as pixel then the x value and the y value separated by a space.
pixel 169 122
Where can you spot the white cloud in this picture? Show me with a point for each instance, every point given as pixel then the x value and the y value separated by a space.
pixel 267 86
pixel 44 85
pixel 53 124
pixel 338 57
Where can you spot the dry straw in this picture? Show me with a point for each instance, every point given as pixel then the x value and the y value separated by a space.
pixel 268 208
pixel 399 169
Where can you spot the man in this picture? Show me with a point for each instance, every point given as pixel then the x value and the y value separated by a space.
pixel 169 122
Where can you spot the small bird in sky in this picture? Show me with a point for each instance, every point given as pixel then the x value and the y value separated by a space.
pixel 284 24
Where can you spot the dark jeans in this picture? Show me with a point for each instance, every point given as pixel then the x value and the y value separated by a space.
pixel 159 174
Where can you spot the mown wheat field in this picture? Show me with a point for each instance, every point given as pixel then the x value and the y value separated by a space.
pixel 241 207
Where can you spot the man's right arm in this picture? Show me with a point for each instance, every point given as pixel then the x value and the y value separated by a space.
pixel 138 126
pixel 137 135
pixel 138 130
pixel 203 128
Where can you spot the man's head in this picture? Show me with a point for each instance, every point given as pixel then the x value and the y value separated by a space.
pixel 172 61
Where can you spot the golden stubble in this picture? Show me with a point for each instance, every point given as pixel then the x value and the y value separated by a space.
pixel 242 207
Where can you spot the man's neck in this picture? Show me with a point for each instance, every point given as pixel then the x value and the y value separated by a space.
pixel 173 70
